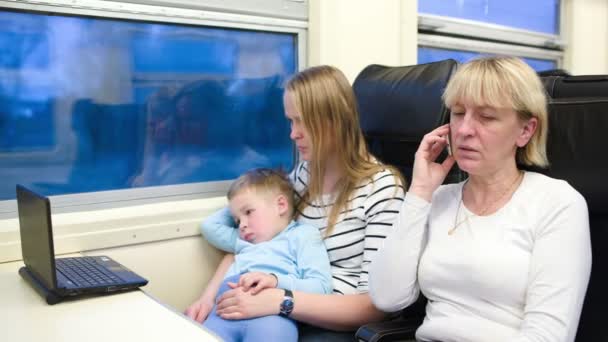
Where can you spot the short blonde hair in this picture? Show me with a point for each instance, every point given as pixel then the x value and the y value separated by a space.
pixel 505 82
pixel 264 179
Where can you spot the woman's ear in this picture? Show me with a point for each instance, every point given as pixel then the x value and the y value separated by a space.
pixel 527 132
pixel 282 205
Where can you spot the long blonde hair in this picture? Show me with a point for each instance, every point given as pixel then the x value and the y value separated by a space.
pixel 328 108
pixel 505 82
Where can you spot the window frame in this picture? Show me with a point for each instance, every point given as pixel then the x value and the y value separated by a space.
pixel 463 34
pixel 293 21
pixel 463 44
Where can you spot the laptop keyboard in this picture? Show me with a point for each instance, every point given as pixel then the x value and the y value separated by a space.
pixel 84 271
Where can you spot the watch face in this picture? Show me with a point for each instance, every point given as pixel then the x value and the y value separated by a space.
pixel 287 306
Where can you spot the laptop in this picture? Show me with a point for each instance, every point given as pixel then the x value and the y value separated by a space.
pixel 57 279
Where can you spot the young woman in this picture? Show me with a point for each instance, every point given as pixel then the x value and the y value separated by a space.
pixel 506 254
pixel 343 190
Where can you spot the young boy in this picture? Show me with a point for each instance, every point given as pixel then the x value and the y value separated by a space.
pixel 271 250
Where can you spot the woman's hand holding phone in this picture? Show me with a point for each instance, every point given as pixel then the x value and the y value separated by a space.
pixel 429 174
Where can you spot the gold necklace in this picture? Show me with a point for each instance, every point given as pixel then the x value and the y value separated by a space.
pixel 467 217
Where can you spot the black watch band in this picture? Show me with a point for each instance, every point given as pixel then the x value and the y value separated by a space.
pixel 287 304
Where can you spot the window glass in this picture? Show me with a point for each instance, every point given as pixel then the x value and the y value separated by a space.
pixel 428 54
pixel 89 104
pixel 537 15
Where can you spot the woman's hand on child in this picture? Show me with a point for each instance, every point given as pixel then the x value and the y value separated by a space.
pixel 200 309
pixel 239 304
pixel 256 281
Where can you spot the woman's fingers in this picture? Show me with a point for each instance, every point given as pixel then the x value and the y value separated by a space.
pixel 230 305
pixel 437 148
pixel 434 137
pixel 448 163
pixel 227 299
pixel 232 316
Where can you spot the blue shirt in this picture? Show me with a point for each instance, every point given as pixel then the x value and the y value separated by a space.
pixel 297 255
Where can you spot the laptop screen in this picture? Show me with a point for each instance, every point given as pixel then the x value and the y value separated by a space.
pixel 36 235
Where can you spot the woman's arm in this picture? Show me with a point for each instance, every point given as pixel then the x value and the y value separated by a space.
pixel 334 312
pixel 200 309
pixel 560 266
pixel 393 279
pixel 220 231
pixel 393 282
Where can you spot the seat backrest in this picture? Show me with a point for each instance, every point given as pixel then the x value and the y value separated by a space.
pixel 399 105
pixel 578 125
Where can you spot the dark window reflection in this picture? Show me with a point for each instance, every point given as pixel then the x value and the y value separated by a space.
pixel 95 104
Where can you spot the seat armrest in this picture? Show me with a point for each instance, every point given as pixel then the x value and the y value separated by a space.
pixel 401 329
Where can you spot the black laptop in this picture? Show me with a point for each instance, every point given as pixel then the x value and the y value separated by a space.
pixel 56 279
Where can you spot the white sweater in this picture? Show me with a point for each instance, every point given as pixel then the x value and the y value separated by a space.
pixel 519 274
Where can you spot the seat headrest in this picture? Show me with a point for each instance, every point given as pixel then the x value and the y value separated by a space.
pixel 559 87
pixel 402 103
pixel 577 138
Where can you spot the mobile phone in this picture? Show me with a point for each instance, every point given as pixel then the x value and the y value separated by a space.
pixel 448 146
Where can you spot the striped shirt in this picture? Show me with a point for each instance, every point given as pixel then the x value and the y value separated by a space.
pixel 360 228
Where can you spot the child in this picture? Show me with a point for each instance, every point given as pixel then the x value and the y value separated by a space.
pixel 271 250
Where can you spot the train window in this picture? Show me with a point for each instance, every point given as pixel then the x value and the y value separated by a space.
pixel 538 16
pixel 110 106
pixel 465 29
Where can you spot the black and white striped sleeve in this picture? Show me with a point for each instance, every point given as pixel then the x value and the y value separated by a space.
pixel 381 211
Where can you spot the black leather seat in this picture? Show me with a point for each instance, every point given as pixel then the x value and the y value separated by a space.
pixel 398 106
pixel 576 148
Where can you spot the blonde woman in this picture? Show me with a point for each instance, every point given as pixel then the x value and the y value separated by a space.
pixel 504 255
pixel 344 191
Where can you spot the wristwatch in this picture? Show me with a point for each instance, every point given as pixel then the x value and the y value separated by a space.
pixel 287 304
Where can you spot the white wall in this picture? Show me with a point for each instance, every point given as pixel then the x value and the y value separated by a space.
pixel 351 34
pixel 586 35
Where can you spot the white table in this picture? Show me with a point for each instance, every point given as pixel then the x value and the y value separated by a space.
pixel 128 316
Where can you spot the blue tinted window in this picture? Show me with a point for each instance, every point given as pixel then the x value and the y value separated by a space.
pixel 427 55
pixel 537 15
pixel 91 104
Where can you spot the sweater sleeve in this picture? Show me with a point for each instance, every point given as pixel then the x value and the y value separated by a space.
pixel 312 263
pixel 220 230
pixel 381 212
pixel 393 283
pixel 559 273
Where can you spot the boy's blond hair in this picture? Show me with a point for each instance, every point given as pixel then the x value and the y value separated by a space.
pixel 267 180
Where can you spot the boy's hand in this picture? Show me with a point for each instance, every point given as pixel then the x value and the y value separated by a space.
pixel 200 309
pixel 257 281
